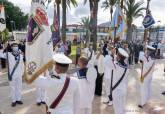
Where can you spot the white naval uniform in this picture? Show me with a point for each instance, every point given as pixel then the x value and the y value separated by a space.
pixel 145 87
pixel 87 89
pixel 16 83
pixel 88 54
pixel 109 66
pixel 53 87
pixel 119 94
pixel 40 93
pixel 99 63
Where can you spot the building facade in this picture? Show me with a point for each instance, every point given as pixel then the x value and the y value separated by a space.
pixel 154 33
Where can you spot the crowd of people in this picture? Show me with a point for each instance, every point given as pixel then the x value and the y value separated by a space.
pixel 107 69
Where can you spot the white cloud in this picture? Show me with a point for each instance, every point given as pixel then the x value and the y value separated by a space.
pixel 74 15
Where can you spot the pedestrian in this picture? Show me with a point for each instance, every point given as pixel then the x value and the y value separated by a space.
pixel 163 93
pixel 3 61
pixel 78 54
pixel 87 78
pixel 15 72
pixel 62 90
pixel 146 73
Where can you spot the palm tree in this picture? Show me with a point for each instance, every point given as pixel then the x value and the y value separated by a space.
pixel 65 3
pixel 133 10
pixel 86 22
pixel 93 21
pixel 58 2
pixel 109 4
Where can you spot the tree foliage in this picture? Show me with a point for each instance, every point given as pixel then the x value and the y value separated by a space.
pixel 4 36
pixel 14 13
pixel 109 4
pixel 133 10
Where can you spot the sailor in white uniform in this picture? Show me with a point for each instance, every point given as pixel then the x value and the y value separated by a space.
pixel 99 66
pixel 90 54
pixel 120 82
pixel 87 77
pixel 146 72
pixel 15 72
pixel 40 94
pixel 109 61
pixel 62 92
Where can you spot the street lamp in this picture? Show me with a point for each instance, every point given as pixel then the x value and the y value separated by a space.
pixel 12 24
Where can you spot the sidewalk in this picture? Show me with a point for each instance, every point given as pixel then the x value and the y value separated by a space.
pixel 155 106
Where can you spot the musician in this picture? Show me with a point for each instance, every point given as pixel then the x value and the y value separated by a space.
pixel 62 91
pixel 120 82
pixel 147 68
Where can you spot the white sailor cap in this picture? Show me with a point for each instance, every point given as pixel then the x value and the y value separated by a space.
pixel 150 47
pixel 62 59
pixel 123 52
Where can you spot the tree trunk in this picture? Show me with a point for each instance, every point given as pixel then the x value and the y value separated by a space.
pixel 58 13
pixel 129 32
pixel 58 16
pixel 64 21
pixel 94 25
pixel 111 13
pixel 122 4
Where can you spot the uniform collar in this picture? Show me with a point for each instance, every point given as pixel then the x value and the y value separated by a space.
pixel 62 76
pixel 59 76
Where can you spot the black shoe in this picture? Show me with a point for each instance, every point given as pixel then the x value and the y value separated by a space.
pixel 13 104
pixel 140 106
pixel 19 102
pixel 43 102
pixel 39 104
pixel 163 93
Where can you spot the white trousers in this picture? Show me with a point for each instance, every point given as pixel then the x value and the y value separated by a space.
pixel 145 90
pixel 16 88
pixel 40 95
pixel 85 111
pixel 119 102
pixel 107 87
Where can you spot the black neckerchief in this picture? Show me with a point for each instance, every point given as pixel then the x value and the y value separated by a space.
pixel 16 55
pixel 122 63
pixel 54 76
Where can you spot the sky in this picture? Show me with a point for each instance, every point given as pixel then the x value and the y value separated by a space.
pixel 74 15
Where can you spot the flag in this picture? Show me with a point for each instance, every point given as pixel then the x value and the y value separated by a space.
pixel 38 51
pixel 55 29
pixel 2 18
pixel 118 23
pixel 148 21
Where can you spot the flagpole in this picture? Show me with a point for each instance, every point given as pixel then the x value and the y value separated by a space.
pixel 7 56
pixel 147 12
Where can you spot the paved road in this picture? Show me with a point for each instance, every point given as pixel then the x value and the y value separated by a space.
pixel 155 106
